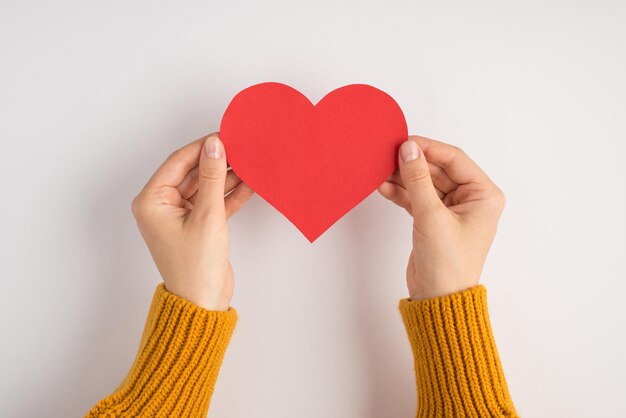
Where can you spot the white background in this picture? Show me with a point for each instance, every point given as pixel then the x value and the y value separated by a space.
pixel 95 94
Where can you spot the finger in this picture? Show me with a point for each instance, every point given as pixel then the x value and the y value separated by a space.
pixel 442 182
pixel 456 164
pixel 416 177
pixel 211 179
pixel 440 179
pixel 396 178
pixel 187 205
pixel 232 181
pixel 237 198
pixel 174 170
pixel 192 199
pixel 449 200
pixel 189 186
pixel 396 194
pixel 441 194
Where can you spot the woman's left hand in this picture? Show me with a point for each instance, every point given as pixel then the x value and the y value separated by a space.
pixel 182 214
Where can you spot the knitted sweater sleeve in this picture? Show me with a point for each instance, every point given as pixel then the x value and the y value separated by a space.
pixel 177 363
pixel 457 367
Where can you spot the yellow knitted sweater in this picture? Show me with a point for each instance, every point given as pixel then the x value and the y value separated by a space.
pixel 457 368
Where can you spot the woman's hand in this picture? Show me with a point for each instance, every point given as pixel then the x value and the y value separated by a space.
pixel 455 209
pixel 182 214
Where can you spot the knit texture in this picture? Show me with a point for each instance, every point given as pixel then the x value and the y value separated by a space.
pixel 457 367
pixel 179 358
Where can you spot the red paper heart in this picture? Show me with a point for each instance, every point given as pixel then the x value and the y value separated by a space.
pixel 313 163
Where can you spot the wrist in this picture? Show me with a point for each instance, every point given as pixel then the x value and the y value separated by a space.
pixel 211 298
pixel 429 289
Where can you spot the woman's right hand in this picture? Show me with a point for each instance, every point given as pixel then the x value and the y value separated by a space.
pixel 455 209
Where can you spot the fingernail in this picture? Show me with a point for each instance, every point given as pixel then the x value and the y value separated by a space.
pixel 213 148
pixel 409 151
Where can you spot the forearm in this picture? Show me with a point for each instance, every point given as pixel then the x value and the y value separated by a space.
pixel 177 364
pixel 457 367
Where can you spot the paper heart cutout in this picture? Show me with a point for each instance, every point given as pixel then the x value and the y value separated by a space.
pixel 313 163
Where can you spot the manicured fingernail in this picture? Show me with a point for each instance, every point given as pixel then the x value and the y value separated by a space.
pixel 409 151
pixel 213 148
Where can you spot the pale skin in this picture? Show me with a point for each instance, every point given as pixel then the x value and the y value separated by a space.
pixel 455 209
pixel 183 211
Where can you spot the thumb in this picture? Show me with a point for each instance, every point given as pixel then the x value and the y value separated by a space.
pixel 416 177
pixel 211 179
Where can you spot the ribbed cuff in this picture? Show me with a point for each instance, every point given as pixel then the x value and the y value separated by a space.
pixel 178 361
pixel 457 367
